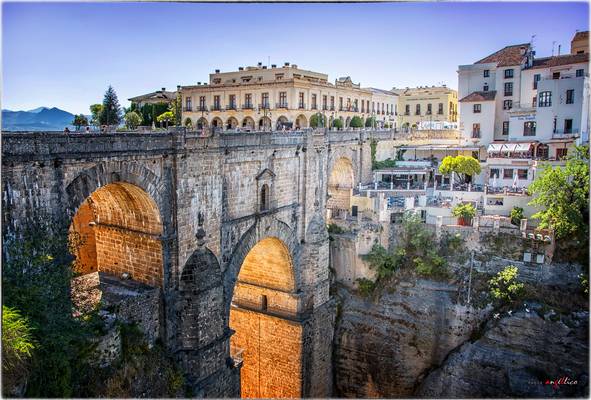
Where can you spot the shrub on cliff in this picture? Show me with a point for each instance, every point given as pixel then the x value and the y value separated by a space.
pixel 505 287
pixel 365 286
pixel 17 348
pixel 516 215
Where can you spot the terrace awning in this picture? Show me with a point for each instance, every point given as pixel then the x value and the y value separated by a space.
pixel 495 147
pixel 509 147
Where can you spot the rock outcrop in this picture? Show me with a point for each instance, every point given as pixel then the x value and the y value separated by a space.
pixel 383 348
pixel 520 355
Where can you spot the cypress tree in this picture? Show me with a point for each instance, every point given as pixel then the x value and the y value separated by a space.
pixel 111 112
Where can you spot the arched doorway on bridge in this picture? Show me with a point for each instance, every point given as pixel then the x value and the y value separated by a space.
pixel 232 123
pixel 116 231
pixel 265 123
pixel 340 186
pixel 301 122
pixel 248 123
pixel 202 123
pixel 263 315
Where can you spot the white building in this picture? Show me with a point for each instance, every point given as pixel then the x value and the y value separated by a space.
pixel 521 109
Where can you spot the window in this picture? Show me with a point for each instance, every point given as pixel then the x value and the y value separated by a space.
pixel 485 88
pixel 508 88
pixel 188 104
pixel 579 73
pixel 355 105
pixel 202 103
pixel 340 103
pixel 561 153
pixel 534 102
pixel 570 96
pixel 265 100
pixel 508 173
pixel 508 73
pixel 362 105
pixel 314 102
pixel 556 75
pixel 505 128
pixel 440 109
pixel 529 128
pixel 265 197
pixel 507 104
pixel 542 152
pixel 545 99
pixel 486 73
pixel 568 126
pixel 332 103
pixel 475 131
pixel 232 101
pixel 418 109
pixel 537 78
pixel 283 99
pixel 264 302
pixel 325 102
pixel 522 174
pixel 248 100
pixel 216 102
pixel 301 100
pixel 429 110
pixel 407 109
pixel 494 172
pixel 477 108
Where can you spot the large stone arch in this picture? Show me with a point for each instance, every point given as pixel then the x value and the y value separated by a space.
pixel 265 227
pixel 341 181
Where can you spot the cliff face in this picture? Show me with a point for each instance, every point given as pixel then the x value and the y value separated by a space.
pixel 415 341
pixel 524 354
pixel 383 348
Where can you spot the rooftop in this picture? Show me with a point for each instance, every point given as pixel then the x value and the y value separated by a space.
pixel 555 61
pixel 509 55
pixel 159 94
pixel 480 96
pixel 581 36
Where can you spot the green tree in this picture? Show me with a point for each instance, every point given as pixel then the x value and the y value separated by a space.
pixel 337 123
pixel 516 215
pixel 356 122
pixel 317 120
pixel 504 286
pixel 370 122
pixel 79 121
pixel 95 111
pixel 563 192
pixel 188 123
pixel 132 120
pixel 165 117
pixel 176 107
pixel 462 166
pixel 111 111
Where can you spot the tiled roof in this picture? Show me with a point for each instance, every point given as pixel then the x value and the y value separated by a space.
pixel 555 61
pixel 155 95
pixel 510 55
pixel 480 96
pixel 581 35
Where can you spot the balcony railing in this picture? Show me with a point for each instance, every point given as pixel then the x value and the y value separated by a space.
pixel 202 108
pixel 216 107
pixel 264 106
pixel 231 107
pixel 247 106
pixel 281 105
pixel 562 134
pixel 302 106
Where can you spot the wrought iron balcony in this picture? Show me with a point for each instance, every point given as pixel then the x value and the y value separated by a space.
pixel 264 106
pixel 281 105
pixel 231 107
pixel 247 106
pixel 216 107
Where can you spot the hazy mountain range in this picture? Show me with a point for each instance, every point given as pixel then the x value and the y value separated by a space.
pixel 38 119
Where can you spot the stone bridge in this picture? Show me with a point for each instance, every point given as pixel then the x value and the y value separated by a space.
pixel 231 228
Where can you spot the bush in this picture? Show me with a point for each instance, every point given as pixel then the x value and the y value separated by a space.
pixel 464 210
pixel 504 287
pixel 383 262
pixel 133 120
pixel 365 286
pixel 17 347
pixel 334 228
pixel 387 163
pixel 337 123
pixel 356 122
pixel 370 122
pixel 516 215
pixel 317 120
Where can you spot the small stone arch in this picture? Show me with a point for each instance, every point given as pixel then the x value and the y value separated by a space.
pixel 341 181
pixel 202 123
pixel 231 123
pixel 248 123
pixel 301 122
pixel 217 123
pixel 265 123
pixel 281 122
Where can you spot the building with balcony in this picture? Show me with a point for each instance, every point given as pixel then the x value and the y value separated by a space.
pixel 523 109
pixel 157 97
pixel 277 97
pixel 428 107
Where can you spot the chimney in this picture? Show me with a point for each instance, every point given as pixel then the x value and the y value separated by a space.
pixel 198 83
pixel 217 71
pixel 273 65
pixel 264 67
pixel 559 49
pixel 164 89
pixel 260 64
pixel 286 64
pixel 294 66
pixel 240 68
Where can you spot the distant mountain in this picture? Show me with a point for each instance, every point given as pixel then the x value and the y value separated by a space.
pixel 39 119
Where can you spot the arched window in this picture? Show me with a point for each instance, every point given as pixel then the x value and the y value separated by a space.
pixel 265 197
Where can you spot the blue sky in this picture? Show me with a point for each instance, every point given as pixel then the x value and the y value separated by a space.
pixel 66 54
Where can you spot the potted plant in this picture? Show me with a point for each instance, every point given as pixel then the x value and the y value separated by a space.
pixel 464 212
